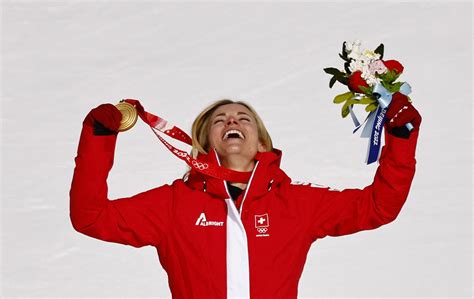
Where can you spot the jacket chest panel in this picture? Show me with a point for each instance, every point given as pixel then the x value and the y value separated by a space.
pixel 277 241
pixel 269 227
pixel 199 231
pixel 204 218
pixel 271 218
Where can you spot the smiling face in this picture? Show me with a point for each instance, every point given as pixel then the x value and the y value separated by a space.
pixel 233 132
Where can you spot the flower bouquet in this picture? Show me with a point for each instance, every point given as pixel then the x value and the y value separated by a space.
pixel 371 82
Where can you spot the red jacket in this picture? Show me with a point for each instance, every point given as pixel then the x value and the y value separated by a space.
pixel 212 249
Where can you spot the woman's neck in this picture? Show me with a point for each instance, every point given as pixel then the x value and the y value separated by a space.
pixel 238 164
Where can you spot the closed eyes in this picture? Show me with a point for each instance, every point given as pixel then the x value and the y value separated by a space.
pixel 240 119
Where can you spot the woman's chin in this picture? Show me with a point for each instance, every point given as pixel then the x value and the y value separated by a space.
pixel 233 150
pixel 233 146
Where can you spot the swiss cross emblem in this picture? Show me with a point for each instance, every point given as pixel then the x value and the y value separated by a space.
pixel 261 224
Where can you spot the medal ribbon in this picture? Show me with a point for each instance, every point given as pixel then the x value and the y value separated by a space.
pixel 158 124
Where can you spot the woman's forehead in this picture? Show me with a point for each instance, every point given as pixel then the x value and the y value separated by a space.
pixel 232 108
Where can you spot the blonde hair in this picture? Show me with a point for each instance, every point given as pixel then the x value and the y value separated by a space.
pixel 202 123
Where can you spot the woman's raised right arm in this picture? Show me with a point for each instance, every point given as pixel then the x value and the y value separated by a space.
pixel 138 220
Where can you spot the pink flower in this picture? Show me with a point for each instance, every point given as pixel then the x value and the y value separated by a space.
pixel 377 67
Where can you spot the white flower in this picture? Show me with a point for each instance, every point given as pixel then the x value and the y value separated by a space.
pixel 366 62
pixel 370 78
pixel 353 46
pixel 355 55
pixel 370 55
pixel 356 65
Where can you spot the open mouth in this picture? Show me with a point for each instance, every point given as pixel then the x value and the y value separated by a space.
pixel 233 134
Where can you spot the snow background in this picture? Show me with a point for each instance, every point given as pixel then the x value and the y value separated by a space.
pixel 62 58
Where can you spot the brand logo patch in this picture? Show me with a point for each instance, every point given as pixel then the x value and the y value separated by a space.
pixel 262 223
pixel 202 221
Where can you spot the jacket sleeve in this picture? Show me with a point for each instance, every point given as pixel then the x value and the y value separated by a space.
pixel 337 213
pixel 137 221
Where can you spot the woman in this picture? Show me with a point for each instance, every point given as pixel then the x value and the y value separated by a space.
pixel 220 239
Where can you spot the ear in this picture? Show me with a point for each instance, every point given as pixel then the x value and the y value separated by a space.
pixel 261 148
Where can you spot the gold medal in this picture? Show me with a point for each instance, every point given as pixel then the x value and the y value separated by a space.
pixel 129 115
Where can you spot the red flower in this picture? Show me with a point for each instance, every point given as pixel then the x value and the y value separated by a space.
pixel 355 80
pixel 393 65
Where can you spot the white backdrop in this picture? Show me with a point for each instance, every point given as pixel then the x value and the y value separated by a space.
pixel 62 58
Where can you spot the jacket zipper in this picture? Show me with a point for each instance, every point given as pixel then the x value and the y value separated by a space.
pixel 248 188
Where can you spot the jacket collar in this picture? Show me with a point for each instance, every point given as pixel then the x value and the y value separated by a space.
pixel 265 176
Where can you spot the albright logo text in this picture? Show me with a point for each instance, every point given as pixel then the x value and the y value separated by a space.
pixel 202 221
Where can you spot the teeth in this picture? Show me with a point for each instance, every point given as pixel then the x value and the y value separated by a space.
pixel 226 135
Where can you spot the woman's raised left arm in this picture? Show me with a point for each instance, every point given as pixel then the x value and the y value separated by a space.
pixel 337 213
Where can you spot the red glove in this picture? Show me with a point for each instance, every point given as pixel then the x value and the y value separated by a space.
pixel 105 119
pixel 400 112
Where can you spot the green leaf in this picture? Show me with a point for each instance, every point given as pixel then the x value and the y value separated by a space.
pixel 389 77
pixel 392 87
pixel 345 110
pixel 342 56
pixel 346 67
pixel 343 53
pixel 365 101
pixel 351 101
pixel 332 70
pixel 386 85
pixel 379 50
pixel 340 76
pixel 371 107
pixel 366 90
pixel 332 81
pixel 343 97
pixel 395 87
pixel 343 80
